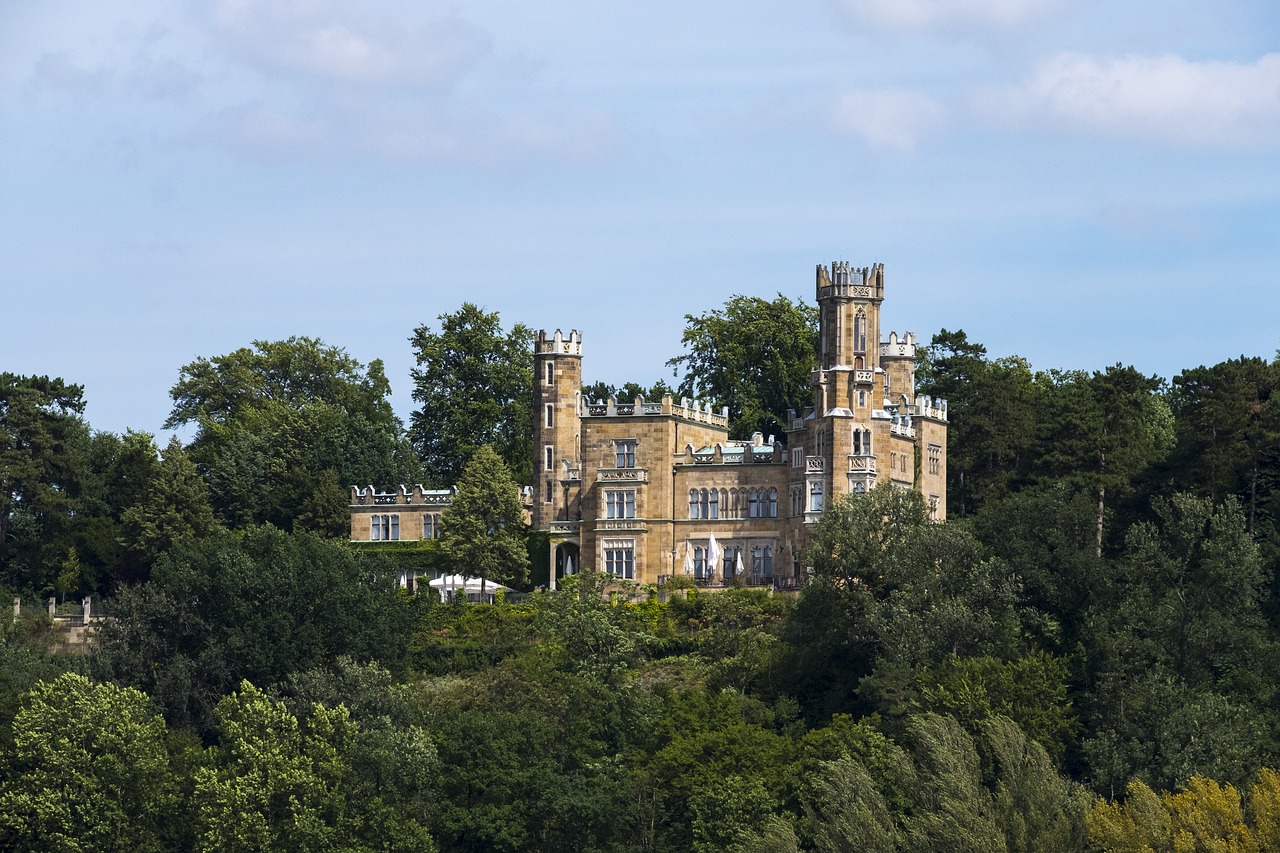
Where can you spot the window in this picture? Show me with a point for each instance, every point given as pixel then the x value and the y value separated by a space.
pixel 797 501
pixel 762 561
pixel 620 559
pixel 620 504
pixel 384 527
pixel 797 457
pixel 704 502
pixel 862 442
pixel 859 487
pixel 753 504
pixel 548 452
pixel 549 377
pixel 430 526
pixel 815 497
pixel 625 451
pixel 714 504
pixel 860 333
pixel 933 507
pixel 773 503
pixel 549 414
pixel 935 458
pixel 699 562
pixel 693 503
pixel 550 497
pixel 731 556
pixel 862 398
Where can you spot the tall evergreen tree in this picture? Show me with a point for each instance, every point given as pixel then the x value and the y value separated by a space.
pixel 483 532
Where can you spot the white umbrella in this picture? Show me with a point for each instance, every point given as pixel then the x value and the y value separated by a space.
pixel 688 558
pixel 713 556
pixel 739 569
pixel 568 565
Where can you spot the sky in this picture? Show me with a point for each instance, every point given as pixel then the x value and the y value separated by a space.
pixel 1078 182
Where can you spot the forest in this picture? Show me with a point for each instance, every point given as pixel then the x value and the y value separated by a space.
pixel 1084 657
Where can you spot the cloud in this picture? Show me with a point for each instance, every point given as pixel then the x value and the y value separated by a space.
pixel 948 14
pixel 343 42
pixel 886 119
pixel 1164 99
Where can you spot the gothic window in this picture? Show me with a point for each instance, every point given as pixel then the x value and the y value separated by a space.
pixel 726 503
pixel 773 503
pixel 860 333
pixel 550 496
pixel 935 458
pixel 753 504
pixel 815 497
pixel 549 415
pixel 620 504
pixel 859 487
pixel 699 562
pixel 762 561
pixel 714 505
pixel 862 398
pixel 704 504
pixel 548 452
pixel 625 451
pixel 385 527
pixel 731 561
pixel 430 526
pixel 693 503
pixel 797 457
pixel 549 377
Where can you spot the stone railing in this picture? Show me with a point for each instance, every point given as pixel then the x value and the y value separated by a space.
pixel 864 377
pixel 565 526
pixel 902 430
pixel 862 463
pixel 815 464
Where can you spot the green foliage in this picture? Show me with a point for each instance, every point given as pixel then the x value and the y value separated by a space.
pixel 90 769
pixel 43 444
pixel 754 356
pixel 173 506
pixel 474 386
pixel 284 427
pixel 482 532
pixel 279 783
pixel 260 605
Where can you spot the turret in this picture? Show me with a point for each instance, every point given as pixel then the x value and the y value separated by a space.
pixel 557 455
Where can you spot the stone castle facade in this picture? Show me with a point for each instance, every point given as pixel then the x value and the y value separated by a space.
pixel 650 490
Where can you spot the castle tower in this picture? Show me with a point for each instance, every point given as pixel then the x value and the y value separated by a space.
pixel 557 454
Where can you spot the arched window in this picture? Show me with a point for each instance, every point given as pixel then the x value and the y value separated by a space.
pixel 753 504
pixel 714 504
pixel 699 562
pixel 705 503
pixel 726 503
pixel 693 503
pixel 773 503
pixel 860 333
pixel 815 497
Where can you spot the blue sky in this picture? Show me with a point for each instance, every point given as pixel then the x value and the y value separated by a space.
pixel 1075 181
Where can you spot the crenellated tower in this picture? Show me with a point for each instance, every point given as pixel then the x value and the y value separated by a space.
pixel 557 427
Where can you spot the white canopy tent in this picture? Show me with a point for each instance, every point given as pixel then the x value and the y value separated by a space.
pixel 450 585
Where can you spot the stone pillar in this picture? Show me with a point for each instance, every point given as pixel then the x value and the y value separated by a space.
pixel 53 605
pixel 551 583
pixel 17 608
pixel 87 604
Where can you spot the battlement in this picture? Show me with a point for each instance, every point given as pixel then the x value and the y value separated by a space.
pixel 895 347
pixel 929 407
pixel 758 450
pixel 558 344
pixel 402 496
pixel 690 411
pixel 845 281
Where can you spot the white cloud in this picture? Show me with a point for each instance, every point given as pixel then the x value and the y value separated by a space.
pixel 344 42
pixel 1164 99
pixel 948 14
pixel 886 119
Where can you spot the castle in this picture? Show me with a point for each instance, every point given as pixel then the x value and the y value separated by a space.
pixel 650 490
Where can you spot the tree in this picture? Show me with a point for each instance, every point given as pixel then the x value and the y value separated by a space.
pixel 474 386
pixel 260 605
pixel 753 355
pixel 628 391
pixel 90 770
pixel 279 423
pixel 280 783
pixel 42 453
pixel 1104 430
pixel 993 408
pixel 174 506
pixel 483 532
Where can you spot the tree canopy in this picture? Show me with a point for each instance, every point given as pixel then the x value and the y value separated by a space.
pixel 474 386
pixel 755 356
